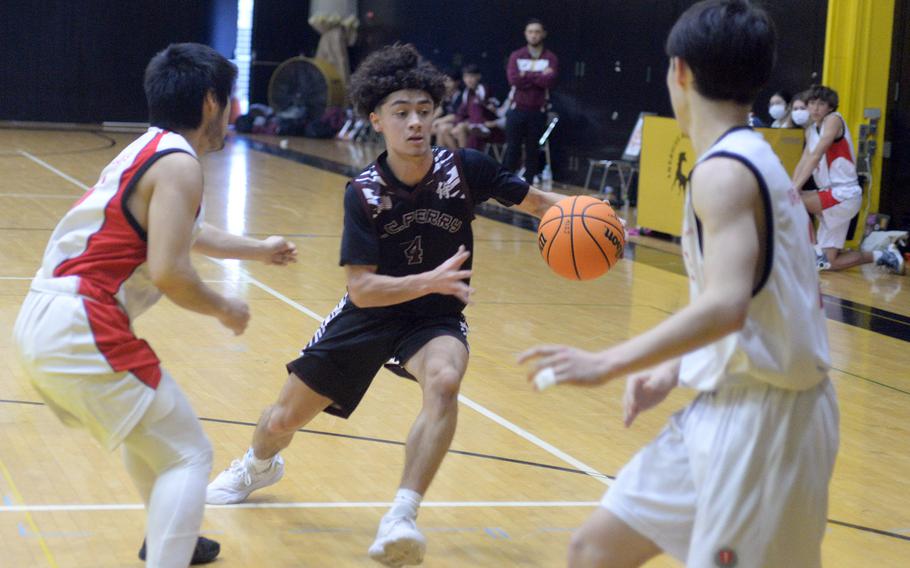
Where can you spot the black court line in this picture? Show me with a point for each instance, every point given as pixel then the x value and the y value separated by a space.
pixel 873 381
pixel 110 143
pixel 31 402
pixel 845 311
pixel 867 317
pixel 479 455
pixel 398 443
pixel 300 157
pixel 370 439
pixel 870 529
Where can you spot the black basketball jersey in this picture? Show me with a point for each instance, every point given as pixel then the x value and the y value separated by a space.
pixel 408 230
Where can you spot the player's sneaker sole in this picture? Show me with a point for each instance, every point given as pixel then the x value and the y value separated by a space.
pixel 405 547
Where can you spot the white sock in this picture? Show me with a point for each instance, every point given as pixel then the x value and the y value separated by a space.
pixel 405 504
pixel 876 255
pixel 258 465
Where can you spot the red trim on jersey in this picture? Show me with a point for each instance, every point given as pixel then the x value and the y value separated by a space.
pixel 96 262
pixel 827 199
pixel 111 255
pixel 84 197
pixel 839 149
pixel 123 350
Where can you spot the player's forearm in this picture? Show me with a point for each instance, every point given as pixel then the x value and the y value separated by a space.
pixel 804 169
pixel 538 202
pixel 183 286
pixel 377 290
pixel 798 173
pixel 704 321
pixel 217 243
pixel 544 80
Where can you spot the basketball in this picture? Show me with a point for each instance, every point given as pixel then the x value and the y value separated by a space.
pixel 580 238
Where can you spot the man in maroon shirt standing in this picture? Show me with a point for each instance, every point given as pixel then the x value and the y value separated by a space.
pixel 532 72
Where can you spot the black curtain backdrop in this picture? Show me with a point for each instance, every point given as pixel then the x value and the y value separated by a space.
pixel 82 61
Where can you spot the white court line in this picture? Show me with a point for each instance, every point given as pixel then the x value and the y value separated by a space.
pixel 44 164
pixel 302 505
pixel 549 448
pixel 546 446
pixel 535 440
pixel 30 278
pixel 38 196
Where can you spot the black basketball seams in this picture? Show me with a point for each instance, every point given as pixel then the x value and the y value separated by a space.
pixel 585 213
pixel 594 239
pixel 609 222
pixel 572 236
pixel 555 233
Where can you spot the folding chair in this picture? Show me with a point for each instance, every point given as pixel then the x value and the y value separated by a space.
pixel 626 167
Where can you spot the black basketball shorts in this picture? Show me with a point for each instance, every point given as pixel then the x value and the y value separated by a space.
pixel 352 344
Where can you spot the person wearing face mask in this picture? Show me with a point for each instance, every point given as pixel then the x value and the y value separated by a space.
pixel 779 109
pixel 799 110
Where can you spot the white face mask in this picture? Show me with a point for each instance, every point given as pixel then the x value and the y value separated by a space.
pixel 777 112
pixel 800 116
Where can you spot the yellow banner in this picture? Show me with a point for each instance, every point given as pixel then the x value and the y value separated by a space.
pixel 667 158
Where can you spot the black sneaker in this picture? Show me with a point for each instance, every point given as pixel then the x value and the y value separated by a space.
pixel 206 551
pixel 892 260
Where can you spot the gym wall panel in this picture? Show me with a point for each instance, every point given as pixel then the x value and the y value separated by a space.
pixel 67 61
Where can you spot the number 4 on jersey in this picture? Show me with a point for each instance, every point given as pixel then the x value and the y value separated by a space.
pixel 414 251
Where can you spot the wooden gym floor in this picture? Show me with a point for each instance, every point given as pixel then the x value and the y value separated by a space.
pixel 525 468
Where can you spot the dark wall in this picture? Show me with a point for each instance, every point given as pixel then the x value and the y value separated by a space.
pixel 612 62
pixel 280 31
pixel 82 61
pixel 895 198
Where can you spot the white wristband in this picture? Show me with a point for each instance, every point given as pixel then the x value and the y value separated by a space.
pixel 545 378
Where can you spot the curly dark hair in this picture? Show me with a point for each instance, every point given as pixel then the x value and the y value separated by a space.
pixel 390 69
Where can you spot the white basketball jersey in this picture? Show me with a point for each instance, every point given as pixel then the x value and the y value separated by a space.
pixel 784 341
pixel 837 168
pixel 100 242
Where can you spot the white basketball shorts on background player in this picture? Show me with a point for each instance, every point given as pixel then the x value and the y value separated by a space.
pixel 834 220
pixel 737 478
pixel 59 352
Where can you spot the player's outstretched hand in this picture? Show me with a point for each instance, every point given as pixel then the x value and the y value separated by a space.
pixel 235 315
pixel 646 390
pixel 278 250
pixel 448 278
pixel 556 364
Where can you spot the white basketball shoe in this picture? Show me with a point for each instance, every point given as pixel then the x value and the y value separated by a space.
pixel 235 484
pixel 398 542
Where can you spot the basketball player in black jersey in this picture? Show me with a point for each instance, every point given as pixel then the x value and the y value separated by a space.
pixel 406 248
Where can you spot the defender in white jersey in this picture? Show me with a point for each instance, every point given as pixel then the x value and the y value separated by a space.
pixel 740 476
pixel 114 253
pixel 829 158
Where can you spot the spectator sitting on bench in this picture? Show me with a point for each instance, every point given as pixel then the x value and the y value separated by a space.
pixel 470 130
pixel 445 112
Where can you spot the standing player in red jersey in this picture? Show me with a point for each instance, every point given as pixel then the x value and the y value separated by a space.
pixel 122 246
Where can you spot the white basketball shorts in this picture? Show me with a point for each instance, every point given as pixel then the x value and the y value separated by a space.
pixel 738 478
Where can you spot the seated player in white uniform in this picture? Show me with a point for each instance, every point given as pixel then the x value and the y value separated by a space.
pixel 829 158
pixel 740 476
pixel 116 251
pixel 406 247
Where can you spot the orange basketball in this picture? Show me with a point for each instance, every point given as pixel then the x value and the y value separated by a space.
pixel 580 237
